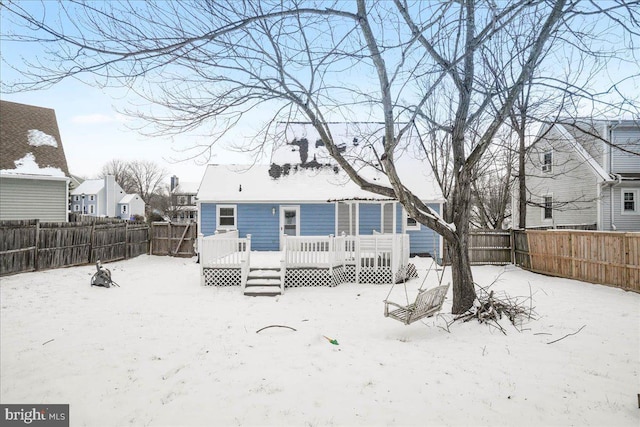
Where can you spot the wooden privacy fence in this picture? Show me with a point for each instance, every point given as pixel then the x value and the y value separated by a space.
pixel 32 245
pixel 175 239
pixel 611 258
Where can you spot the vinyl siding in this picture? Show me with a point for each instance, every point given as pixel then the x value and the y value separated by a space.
pixel 369 218
pixel 45 200
pixel 627 222
pixel 425 240
pixel 629 139
pixel 572 183
pixel 208 219
pixel 258 220
pixel 317 219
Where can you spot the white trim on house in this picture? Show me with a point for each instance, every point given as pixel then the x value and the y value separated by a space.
pixel 283 224
pixel 599 170
pixel 406 226
pixel 235 217
pixel 635 192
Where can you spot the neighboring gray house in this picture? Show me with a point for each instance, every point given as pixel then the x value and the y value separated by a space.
pixel 33 168
pixel 105 198
pixel 183 201
pixel 585 174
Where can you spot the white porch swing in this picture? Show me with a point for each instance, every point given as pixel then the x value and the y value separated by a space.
pixel 428 302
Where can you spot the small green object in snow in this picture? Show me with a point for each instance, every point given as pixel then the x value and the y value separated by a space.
pixel 334 342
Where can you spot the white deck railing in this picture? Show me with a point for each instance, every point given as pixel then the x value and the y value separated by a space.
pixel 364 252
pixel 379 251
pixel 226 250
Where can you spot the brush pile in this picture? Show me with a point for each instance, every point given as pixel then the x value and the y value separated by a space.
pixel 491 308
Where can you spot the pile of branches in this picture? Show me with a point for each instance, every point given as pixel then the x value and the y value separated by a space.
pixel 490 308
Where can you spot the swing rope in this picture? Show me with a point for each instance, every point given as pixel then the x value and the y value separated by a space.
pixel 404 280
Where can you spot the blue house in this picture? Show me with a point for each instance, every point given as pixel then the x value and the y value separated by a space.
pixel 307 202
pixel 318 227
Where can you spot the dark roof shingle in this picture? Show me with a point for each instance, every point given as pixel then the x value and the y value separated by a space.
pixel 16 120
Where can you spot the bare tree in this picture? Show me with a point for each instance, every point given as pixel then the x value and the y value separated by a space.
pixel 146 179
pixel 209 63
pixel 120 169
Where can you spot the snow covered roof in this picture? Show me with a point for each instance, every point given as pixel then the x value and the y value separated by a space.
pixel 186 188
pixel 128 198
pixel 89 186
pixel 237 183
pixel 30 141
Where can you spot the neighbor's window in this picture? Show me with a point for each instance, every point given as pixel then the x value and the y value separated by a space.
pixel 548 207
pixel 226 216
pixel 630 201
pixel 124 209
pixel 92 198
pixel 92 209
pixel 546 161
pixel 76 198
pixel 76 208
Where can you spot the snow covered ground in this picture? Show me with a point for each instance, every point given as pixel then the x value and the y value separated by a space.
pixel 163 350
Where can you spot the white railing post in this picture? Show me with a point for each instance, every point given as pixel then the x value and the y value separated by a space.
pixel 357 256
pixel 331 255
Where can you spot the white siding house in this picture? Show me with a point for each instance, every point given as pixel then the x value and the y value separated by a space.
pixel 105 198
pixel 585 175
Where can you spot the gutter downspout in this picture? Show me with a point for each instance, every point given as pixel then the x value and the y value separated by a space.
pixel 615 183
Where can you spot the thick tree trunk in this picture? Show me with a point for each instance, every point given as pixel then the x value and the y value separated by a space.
pixel 464 293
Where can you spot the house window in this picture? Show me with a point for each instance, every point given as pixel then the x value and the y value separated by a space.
pixel 76 208
pixel 411 223
pixel 92 209
pixel 226 217
pixel 92 198
pixel 548 207
pixel 124 209
pixel 630 202
pixel 546 161
pixel 76 198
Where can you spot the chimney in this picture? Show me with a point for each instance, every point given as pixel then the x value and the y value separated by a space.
pixel 174 182
pixel 110 196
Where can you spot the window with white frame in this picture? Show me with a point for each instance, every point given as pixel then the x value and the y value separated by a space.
pixel 547 159
pixel 547 207
pixel 76 198
pixel 124 209
pixel 76 208
pixel 92 209
pixel 226 217
pixel 411 223
pixel 92 198
pixel 630 201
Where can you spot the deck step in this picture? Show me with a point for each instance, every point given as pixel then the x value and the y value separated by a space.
pixel 266 281
pixel 263 281
pixel 267 291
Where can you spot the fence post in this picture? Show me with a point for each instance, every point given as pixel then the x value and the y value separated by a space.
pixel 126 240
pixel 37 243
pixel 573 259
pixel 626 260
pixel 512 244
pixel 91 237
